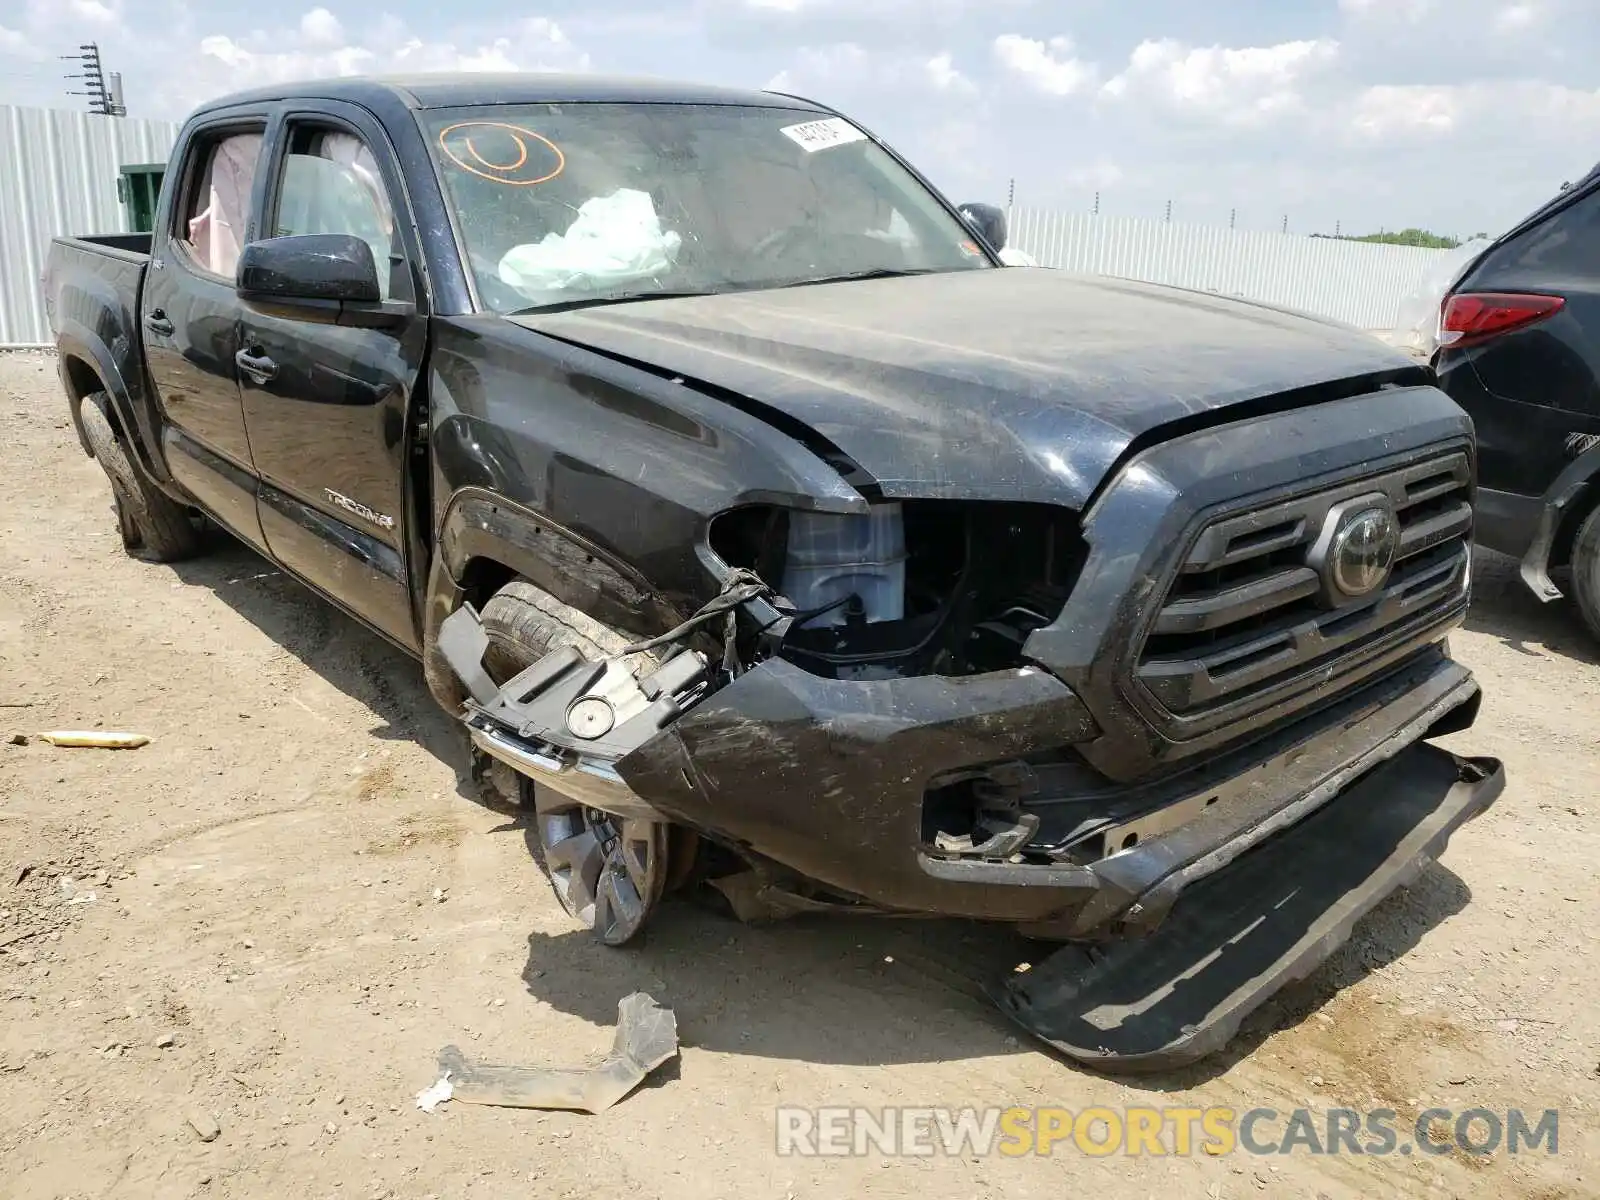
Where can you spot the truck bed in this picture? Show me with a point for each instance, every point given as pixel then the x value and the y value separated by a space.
pixel 121 245
pixel 91 294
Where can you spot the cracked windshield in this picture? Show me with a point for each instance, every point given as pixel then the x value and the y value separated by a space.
pixel 560 205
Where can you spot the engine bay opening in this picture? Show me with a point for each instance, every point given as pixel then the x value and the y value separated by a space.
pixel 920 587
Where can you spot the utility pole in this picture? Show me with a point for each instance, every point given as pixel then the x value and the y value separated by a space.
pixel 1097 204
pixel 1233 217
pixel 1169 212
pixel 104 99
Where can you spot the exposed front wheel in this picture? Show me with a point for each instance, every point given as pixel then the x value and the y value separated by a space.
pixel 608 872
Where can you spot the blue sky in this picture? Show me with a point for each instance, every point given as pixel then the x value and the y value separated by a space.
pixel 1457 115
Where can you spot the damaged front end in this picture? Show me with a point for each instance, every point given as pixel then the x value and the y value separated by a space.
pixel 1142 734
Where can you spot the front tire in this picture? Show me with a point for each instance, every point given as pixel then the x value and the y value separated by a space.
pixel 153 526
pixel 608 872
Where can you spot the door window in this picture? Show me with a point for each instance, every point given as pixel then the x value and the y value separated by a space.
pixel 331 184
pixel 214 218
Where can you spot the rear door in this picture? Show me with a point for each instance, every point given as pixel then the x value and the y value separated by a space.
pixel 327 406
pixel 189 318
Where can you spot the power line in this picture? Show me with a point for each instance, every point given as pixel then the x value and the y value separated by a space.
pixel 104 92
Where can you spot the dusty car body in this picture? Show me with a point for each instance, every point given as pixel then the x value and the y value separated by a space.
pixel 884 579
pixel 1519 350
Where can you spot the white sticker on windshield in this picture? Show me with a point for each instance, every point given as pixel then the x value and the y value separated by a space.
pixel 819 135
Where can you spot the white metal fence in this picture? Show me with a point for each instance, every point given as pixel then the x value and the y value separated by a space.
pixel 1358 282
pixel 58 175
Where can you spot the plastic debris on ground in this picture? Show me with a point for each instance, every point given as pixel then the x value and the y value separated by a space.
pixel 646 1037
pixel 435 1094
pixel 95 739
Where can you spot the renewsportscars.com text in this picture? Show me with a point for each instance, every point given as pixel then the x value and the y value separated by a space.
pixel 1158 1132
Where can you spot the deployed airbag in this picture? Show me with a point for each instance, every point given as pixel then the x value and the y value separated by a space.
pixel 615 238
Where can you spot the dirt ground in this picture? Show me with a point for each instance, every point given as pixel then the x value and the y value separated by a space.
pixel 279 910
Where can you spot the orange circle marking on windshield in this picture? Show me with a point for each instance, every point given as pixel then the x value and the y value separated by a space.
pixel 522 156
pixel 485 169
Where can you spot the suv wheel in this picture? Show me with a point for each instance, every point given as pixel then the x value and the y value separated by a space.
pixel 1586 571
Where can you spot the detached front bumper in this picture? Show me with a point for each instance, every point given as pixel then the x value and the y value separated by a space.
pixel 830 780
pixel 1238 875
pixel 1286 845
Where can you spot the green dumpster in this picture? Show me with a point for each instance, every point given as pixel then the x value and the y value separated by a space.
pixel 139 187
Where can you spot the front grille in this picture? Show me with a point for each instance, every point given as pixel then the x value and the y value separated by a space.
pixel 1244 619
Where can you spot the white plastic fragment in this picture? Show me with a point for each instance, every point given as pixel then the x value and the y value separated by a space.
pixel 96 739
pixel 435 1094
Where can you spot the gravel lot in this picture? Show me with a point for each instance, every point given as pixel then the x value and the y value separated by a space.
pixel 267 945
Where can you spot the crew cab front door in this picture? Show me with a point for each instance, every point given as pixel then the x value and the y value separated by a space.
pixel 327 406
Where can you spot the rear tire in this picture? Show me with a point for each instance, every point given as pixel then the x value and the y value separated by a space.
pixel 607 872
pixel 153 526
pixel 1586 571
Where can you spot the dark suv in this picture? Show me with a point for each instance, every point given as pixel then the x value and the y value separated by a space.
pixel 1519 349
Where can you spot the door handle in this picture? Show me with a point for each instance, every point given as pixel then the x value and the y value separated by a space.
pixel 156 322
pixel 259 367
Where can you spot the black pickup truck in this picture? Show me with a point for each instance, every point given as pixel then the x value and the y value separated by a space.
pixel 765 531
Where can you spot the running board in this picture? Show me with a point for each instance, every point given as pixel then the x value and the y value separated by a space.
pixel 1236 938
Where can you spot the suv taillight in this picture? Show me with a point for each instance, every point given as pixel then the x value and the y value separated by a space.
pixel 1478 316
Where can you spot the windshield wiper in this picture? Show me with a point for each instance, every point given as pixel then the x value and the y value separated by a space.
pixel 597 301
pixel 874 273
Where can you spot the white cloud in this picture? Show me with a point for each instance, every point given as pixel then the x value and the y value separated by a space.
pixel 1409 113
pixel 820 64
pixel 1048 66
pixel 1515 18
pixel 1387 112
pixel 14 42
pixel 319 45
pixel 943 75
pixel 1236 86
pixel 319 27
pixel 847 66
pixel 104 14
pixel 94 12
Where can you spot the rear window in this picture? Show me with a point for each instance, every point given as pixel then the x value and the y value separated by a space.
pixel 216 210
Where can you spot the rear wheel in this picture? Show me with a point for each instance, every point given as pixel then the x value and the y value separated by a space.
pixel 152 524
pixel 1586 571
pixel 608 872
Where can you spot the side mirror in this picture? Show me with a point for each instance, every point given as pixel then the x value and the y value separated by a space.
pixel 990 223
pixel 330 278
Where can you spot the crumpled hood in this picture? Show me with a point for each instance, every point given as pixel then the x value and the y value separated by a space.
pixel 1005 384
